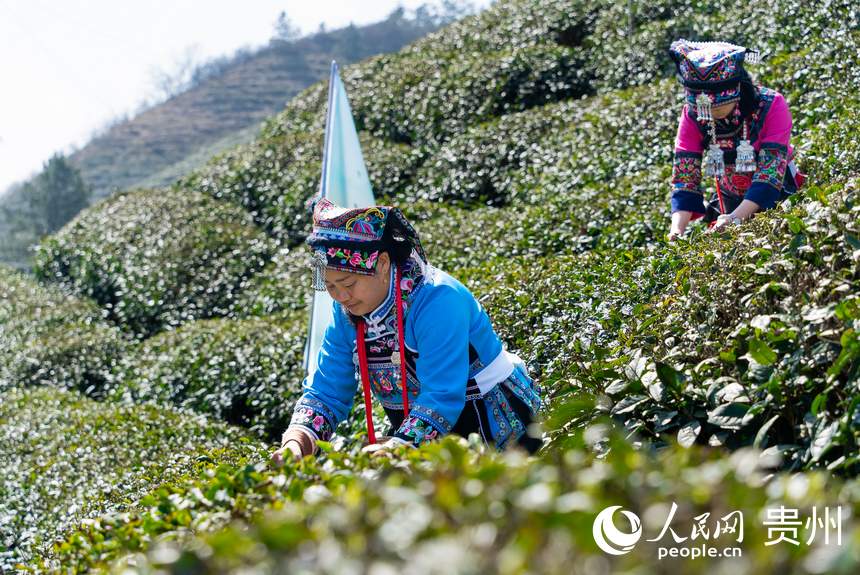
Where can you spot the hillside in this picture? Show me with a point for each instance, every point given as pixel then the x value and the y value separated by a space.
pixel 240 97
pixel 219 111
pixel 531 145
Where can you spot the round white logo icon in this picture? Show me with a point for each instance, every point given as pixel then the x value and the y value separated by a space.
pixel 609 538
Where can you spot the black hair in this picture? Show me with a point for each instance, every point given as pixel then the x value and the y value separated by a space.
pixel 396 242
pixel 749 95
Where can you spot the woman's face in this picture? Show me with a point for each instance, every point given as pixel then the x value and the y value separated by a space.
pixel 360 294
pixel 723 111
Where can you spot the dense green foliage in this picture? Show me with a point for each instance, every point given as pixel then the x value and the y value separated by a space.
pixel 155 259
pixel 658 359
pixel 48 337
pixel 66 458
pixel 244 372
pixel 449 508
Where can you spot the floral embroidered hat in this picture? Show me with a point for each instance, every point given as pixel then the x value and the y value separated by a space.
pixel 712 69
pixel 350 239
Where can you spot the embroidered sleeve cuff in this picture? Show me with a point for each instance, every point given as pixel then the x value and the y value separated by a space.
pixel 687 202
pixel 765 195
pixel 687 171
pixel 315 416
pixel 772 163
pixel 423 425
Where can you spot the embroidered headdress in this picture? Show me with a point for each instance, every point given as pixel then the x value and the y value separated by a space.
pixel 350 239
pixel 711 72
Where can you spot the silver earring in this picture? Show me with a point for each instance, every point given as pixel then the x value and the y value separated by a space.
pixel 703 108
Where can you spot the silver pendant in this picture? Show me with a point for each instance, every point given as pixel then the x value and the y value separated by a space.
pixel 395 358
pixel 318 264
pixel 752 56
pixel 703 108
pixel 715 166
pixel 745 161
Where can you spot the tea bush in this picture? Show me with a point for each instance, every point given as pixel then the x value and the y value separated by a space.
pixel 154 259
pixel 281 289
pixel 246 372
pixel 448 508
pixel 66 458
pixel 48 337
pixel 755 340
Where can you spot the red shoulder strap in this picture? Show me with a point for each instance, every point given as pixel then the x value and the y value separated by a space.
pixel 404 382
pixel 365 380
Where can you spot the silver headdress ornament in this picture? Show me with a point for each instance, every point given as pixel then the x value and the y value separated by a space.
pixel 715 165
pixel 318 264
pixel 703 108
pixel 745 160
pixel 752 56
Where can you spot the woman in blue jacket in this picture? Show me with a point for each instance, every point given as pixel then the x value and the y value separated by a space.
pixel 397 318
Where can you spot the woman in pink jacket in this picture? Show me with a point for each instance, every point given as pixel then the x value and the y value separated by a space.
pixel 731 132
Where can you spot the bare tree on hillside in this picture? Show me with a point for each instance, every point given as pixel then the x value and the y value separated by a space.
pixel 178 77
pixel 285 29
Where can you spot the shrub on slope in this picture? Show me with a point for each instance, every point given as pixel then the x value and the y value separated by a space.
pixel 280 290
pixel 155 259
pixel 741 340
pixel 245 372
pixel 64 457
pixel 758 339
pixel 48 337
pixel 449 509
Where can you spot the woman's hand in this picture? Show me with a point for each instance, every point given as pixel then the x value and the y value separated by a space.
pixel 723 221
pixel 384 447
pixel 290 450
pixel 742 213
pixel 295 444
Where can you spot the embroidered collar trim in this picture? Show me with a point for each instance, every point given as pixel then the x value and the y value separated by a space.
pixel 413 276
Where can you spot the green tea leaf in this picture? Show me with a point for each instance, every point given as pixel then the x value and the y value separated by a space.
pixel 728 415
pixel 687 435
pixel 761 353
